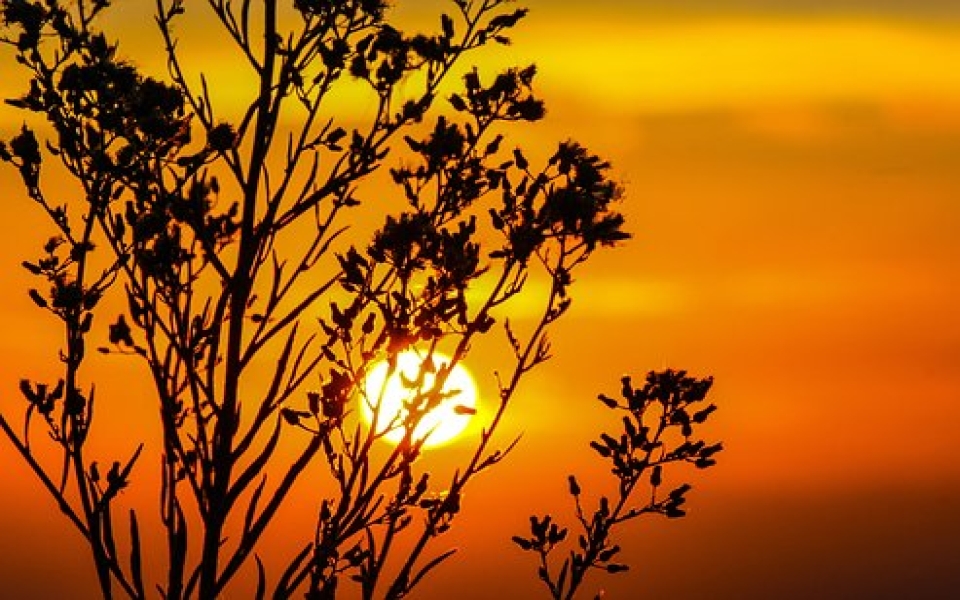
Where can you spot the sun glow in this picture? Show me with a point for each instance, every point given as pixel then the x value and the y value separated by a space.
pixel 394 391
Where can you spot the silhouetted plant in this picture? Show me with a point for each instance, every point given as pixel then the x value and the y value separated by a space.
pixel 225 234
pixel 658 430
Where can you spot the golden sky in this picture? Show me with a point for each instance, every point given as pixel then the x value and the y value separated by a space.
pixel 793 180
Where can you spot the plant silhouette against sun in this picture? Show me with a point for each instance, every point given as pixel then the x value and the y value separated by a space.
pixel 227 236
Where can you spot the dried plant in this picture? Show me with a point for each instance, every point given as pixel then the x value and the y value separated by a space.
pixel 227 235
pixel 657 431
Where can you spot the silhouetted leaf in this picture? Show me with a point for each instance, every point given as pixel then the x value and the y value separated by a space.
pixel 656 477
pixel 120 332
pixel 290 416
pixel 616 568
pixel 610 402
pixel 520 160
pixel 38 299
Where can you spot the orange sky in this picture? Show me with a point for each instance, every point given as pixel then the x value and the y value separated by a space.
pixel 793 182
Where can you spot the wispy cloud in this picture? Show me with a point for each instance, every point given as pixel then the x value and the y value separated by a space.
pixel 676 66
pixel 899 8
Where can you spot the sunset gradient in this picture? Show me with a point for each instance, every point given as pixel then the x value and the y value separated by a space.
pixel 792 177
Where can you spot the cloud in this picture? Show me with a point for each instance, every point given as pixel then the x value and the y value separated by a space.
pixel 635 66
pixel 607 296
pixel 919 8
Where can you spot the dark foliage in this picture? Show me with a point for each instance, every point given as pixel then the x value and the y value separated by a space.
pixel 657 431
pixel 224 233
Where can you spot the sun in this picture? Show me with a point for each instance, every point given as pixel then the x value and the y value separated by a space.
pixel 392 392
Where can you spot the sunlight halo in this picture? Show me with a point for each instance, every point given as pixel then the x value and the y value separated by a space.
pixel 393 391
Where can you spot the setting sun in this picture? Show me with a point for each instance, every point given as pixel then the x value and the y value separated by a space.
pixel 393 390
pixel 222 218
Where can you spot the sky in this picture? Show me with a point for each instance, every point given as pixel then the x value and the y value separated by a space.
pixel 791 176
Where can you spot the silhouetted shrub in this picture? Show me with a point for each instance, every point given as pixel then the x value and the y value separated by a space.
pixel 227 236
